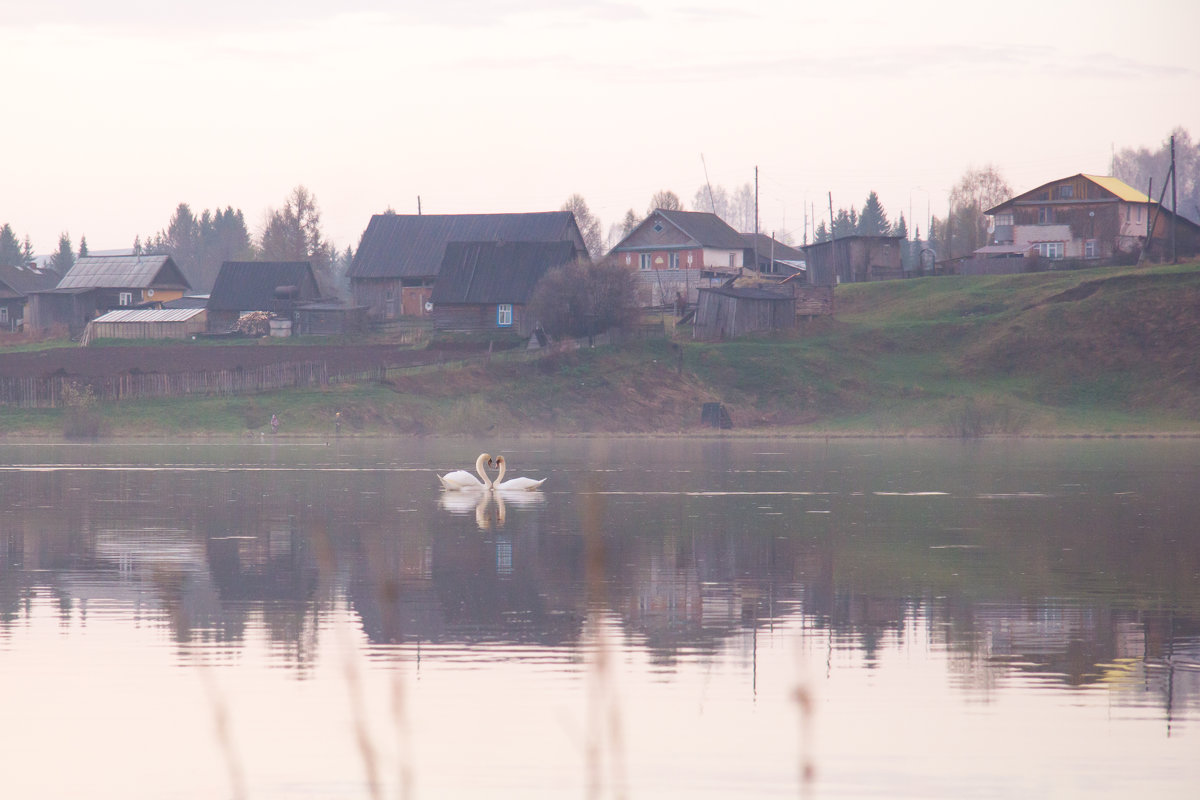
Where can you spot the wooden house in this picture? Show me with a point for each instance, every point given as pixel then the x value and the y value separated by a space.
pixel 1085 218
pixel 400 256
pixel 96 284
pixel 486 286
pixel 728 312
pixel 16 285
pixel 680 252
pixel 276 287
pixel 854 259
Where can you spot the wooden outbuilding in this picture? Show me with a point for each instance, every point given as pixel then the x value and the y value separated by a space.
pixel 329 319
pixel 275 287
pixel 147 323
pixel 16 285
pixel 854 259
pixel 727 312
pixel 486 286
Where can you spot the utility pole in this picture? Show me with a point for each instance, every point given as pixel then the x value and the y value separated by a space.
pixel 832 241
pixel 1174 207
pixel 756 218
pixel 418 205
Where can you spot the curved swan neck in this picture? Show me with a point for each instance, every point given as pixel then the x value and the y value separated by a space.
pixel 501 467
pixel 481 469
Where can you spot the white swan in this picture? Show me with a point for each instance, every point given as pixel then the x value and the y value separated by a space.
pixel 460 479
pixel 515 484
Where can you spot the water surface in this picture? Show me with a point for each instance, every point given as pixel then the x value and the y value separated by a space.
pixel 714 618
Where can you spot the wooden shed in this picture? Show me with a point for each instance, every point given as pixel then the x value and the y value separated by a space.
pixel 147 323
pixel 726 312
pixel 330 319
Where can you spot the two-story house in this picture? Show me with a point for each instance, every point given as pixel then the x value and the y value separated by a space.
pixel 680 252
pixel 1084 218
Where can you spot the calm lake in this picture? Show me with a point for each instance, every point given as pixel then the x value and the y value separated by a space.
pixel 664 619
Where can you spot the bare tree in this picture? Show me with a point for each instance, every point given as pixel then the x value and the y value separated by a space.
pixel 1137 167
pixel 589 226
pixel 976 191
pixel 666 200
pixel 585 298
pixel 293 233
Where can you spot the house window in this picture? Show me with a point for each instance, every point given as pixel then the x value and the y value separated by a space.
pixel 674 263
pixel 645 261
pixel 658 227
pixel 1066 192
pixel 1004 220
pixel 1050 250
pixel 1089 248
pixel 1139 214
pixel 1045 216
pixel 504 315
pixel 125 299
pixel 3 315
pixel 732 260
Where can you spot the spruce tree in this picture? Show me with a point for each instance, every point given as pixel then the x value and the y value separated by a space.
pixel 64 259
pixel 10 248
pixel 873 221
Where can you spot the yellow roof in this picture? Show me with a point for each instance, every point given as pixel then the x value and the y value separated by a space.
pixel 1120 188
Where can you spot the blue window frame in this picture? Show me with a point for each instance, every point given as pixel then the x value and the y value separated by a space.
pixel 504 315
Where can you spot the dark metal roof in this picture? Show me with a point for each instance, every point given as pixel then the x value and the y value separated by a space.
pixel 408 246
pixel 497 272
pixel 188 301
pixel 707 229
pixel 852 237
pixel 251 285
pixel 25 280
pixel 124 272
pixel 772 247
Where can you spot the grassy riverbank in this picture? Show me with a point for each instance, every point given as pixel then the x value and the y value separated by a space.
pixel 1102 352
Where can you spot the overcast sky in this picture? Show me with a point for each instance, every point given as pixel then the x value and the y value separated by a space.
pixel 118 111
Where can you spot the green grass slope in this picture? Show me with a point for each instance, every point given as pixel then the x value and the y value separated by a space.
pixel 1104 352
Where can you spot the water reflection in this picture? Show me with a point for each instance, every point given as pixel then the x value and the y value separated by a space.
pixel 1081 571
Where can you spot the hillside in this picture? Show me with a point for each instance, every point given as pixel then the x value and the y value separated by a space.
pixel 1105 351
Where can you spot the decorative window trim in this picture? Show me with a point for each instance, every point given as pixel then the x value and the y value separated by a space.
pixel 644 261
pixel 504 315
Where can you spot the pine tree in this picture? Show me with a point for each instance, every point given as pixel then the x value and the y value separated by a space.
pixel 873 221
pixel 10 248
pixel 64 259
pixel 900 228
pixel 27 255
pixel 83 248
pixel 821 234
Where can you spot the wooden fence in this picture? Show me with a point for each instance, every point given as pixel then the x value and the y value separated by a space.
pixel 48 391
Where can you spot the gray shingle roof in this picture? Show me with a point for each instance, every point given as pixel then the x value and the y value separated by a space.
pixel 496 272
pixel 779 250
pixel 707 229
pixel 412 246
pixel 251 285
pixel 124 272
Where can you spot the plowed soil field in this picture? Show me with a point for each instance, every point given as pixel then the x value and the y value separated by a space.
pixel 90 362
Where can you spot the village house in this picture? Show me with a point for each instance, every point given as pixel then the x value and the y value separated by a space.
pixel 16 284
pixel 680 252
pixel 275 287
pixel 400 256
pixel 1083 218
pixel 96 284
pixel 486 286
pixel 854 259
